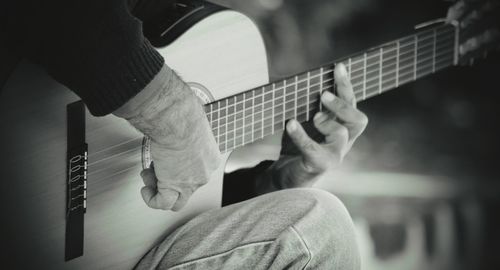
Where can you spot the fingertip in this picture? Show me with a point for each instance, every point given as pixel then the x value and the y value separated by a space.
pixel 148 177
pixel 291 126
pixel 327 96
pixel 340 71
pixel 147 193
pixel 320 117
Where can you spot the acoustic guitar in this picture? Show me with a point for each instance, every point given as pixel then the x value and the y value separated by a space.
pixel 222 56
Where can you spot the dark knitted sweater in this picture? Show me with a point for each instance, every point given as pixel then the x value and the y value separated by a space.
pixel 96 48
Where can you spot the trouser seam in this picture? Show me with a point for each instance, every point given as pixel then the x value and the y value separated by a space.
pixel 306 247
pixel 221 254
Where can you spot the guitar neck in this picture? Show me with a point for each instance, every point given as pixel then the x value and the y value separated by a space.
pixel 252 115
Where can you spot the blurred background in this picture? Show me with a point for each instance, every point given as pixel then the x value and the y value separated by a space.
pixel 422 182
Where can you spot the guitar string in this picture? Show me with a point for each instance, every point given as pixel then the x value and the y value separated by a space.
pixel 214 122
pixel 233 131
pixel 358 92
pixel 353 63
pixel 354 81
pixel 395 49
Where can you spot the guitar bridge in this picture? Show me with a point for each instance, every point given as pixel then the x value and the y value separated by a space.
pixel 76 185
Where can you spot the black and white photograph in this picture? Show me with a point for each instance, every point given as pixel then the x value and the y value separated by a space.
pixel 250 134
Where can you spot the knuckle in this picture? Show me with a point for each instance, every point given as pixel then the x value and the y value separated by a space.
pixel 342 133
pixel 344 106
pixel 363 119
pixel 308 145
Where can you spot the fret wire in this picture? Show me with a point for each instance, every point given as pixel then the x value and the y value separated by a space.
pixel 253 117
pixel 357 80
pixel 400 75
pixel 397 64
pixel 234 121
pixel 378 55
pixel 364 77
pixel 262 114
pixel 244 114
pixel 303 113
pixel 441 61
pixel 272 109
pixel 389 51
pixel 439 34
pixel 321 89
pixel 296 93
pixel 350 68
pixel 308 90
pixel 299 90
pixel 270 116
pixel 434 52
pixel 368 95
pixel 398 41
pixel 309 81
pixel 231 122
pixel 435 55
pixel 415 59
pixel 304 80
pixel 380 71
pixel 225 143
pixel 284 102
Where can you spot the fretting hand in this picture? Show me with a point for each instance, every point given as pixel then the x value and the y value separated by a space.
pixel 479 27
pixel 340 123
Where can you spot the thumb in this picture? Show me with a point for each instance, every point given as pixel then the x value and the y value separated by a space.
pixel 182 200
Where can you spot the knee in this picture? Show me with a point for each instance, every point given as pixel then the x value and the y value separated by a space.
pixel 319 207
pixel 329 230
pixel 320 199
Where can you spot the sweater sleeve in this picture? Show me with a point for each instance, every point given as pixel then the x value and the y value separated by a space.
pixel 96 48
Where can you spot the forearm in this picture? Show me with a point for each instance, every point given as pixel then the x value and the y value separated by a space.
pixel 166 110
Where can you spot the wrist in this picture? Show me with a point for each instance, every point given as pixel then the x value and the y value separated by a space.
pixel 157 112
pixel 137 105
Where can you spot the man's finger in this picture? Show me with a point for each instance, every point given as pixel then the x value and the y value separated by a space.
pixel 182 200
pixel 159 199
pixel 314 158
pixel 334 132
pixel 149 177
pixel 307 146
pixel 456 11
pixel 344 86
pixel 352 118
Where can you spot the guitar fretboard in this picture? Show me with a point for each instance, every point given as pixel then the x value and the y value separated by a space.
pixel 252 115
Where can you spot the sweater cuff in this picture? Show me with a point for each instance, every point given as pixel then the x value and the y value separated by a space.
pixel 108 93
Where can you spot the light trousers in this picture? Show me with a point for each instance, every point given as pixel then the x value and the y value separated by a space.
pixel 288 229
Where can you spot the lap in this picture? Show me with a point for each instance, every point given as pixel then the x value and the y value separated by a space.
pixel 289 229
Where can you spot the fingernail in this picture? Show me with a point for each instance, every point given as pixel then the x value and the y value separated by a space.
pixel 320 117
pixel 327 96
pixel 341 70
pixel 292 126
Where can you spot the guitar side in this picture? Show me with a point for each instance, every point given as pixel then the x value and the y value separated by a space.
pixel 223 54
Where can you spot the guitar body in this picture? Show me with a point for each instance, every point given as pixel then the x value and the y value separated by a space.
pixel 221 55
